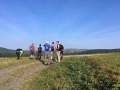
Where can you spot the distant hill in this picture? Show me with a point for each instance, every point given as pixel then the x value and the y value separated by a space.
pixel 67 51
pixel 71 50
pixel 5 50
pixel 92 51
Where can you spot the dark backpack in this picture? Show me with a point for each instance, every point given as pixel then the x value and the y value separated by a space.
pixel 18 50
pixel 39 49
pixel 52 48
pixel 61 47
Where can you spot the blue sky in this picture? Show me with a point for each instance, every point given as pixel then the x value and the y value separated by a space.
pixel 83 24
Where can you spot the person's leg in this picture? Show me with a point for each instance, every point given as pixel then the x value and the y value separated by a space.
pixel 51 56
pixel 18 55
pixel 49 61
pixel 31 54
pixel 39 55
pixel 61 55
pixel 58 54
pixel 55 55
pixel 45 61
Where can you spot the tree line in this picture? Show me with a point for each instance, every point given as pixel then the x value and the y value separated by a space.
pixel 95 51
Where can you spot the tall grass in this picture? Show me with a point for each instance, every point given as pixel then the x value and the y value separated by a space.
pixel 8 62
pixel 79 73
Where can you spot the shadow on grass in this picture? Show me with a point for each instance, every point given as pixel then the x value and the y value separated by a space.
pixel 51 61
pixel 42 61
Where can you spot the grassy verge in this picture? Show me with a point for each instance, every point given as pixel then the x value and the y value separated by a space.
pixel 8 62
pixel 79 73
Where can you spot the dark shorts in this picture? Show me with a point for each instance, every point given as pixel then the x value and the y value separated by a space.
pixel 32 52
pixel 18 53
pixel 39 53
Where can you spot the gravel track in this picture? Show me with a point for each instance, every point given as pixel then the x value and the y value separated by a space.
pixel 16 82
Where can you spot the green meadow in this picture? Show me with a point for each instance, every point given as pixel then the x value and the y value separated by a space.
pixel 9 62
pixel 98 72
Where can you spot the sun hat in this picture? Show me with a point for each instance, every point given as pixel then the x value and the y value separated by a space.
pixel 47 42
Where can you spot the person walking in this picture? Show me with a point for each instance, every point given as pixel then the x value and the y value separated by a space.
pixel 52 51
pixel 32 50
pixel 47 53
pixel 39 53
pixel 19 53
pixel 58 50
pixel 61 52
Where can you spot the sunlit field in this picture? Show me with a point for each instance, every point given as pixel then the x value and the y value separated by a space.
pixel 8 62
pixel 101 72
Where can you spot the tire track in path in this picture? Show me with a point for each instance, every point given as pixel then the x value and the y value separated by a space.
pixel 17 82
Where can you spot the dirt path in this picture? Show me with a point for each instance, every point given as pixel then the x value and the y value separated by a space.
pixel 14 77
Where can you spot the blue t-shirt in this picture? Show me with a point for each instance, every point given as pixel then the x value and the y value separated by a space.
pixel 47 47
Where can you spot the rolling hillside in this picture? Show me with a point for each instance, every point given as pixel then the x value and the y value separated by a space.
pixel 70 50
pixel 5 50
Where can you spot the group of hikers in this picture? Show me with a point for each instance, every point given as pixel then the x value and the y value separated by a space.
pixel 52 52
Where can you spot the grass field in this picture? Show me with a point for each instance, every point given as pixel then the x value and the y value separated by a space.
pixel 101 72
pixel 14 73
pixel 8 62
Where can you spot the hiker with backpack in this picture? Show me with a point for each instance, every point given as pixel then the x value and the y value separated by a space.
pixel 39 53
pixel 59 50
pixel 32 51
pixel 53 51
pixel 19 53
pixel 47 53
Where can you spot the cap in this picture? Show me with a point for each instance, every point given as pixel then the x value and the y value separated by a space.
pixel 47 42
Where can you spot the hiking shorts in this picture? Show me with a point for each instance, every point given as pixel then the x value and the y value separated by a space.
pixel 32 52
pixel 18 53
pixel 39 53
